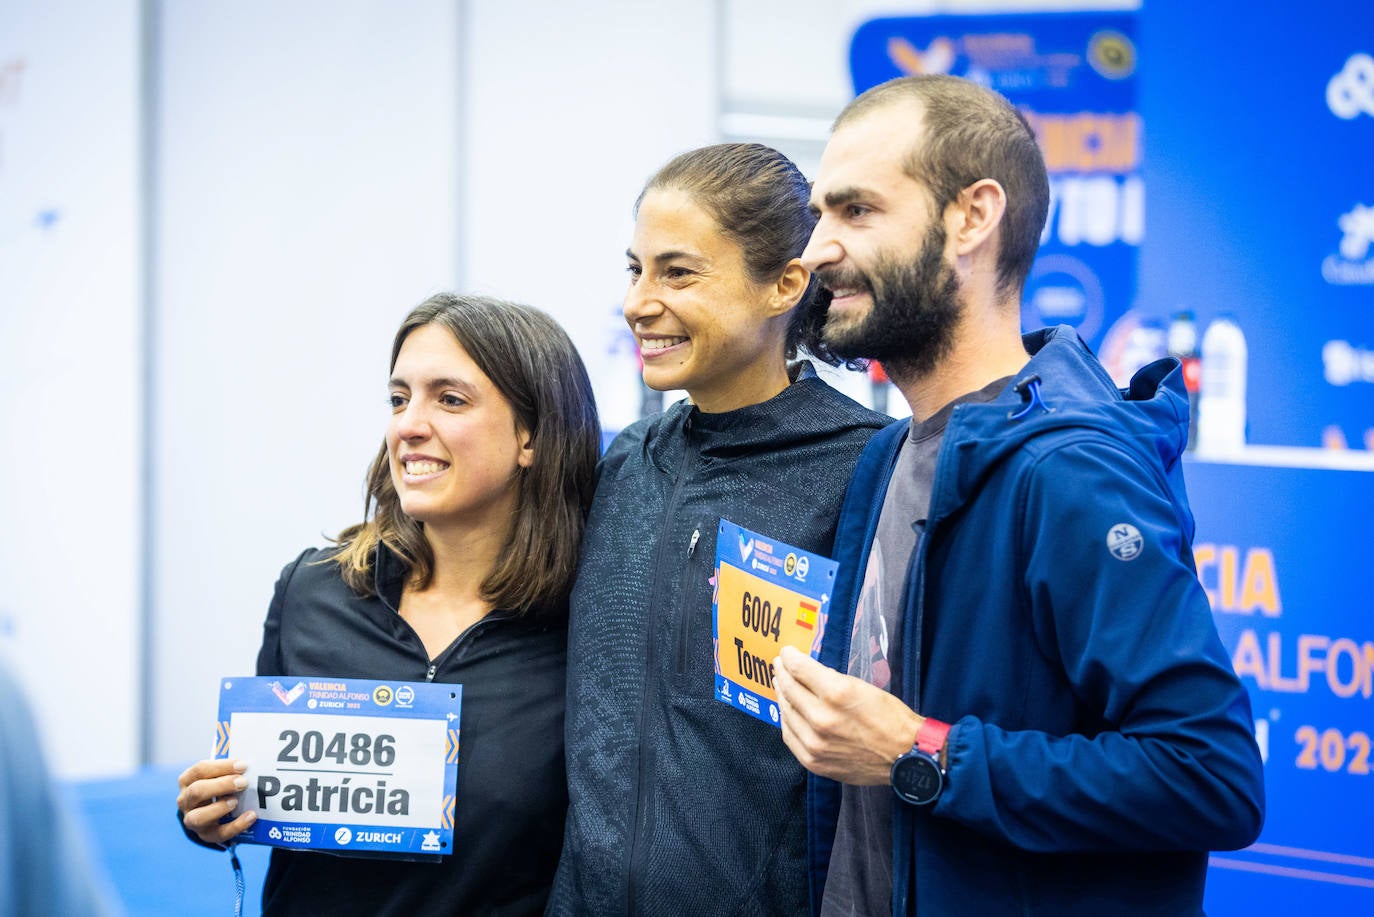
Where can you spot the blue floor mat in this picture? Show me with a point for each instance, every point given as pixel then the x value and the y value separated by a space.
pixel 154 870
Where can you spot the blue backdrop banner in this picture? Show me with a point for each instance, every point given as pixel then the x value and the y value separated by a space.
pixel 1073 75
pixel 1260 159
pixel 1283 555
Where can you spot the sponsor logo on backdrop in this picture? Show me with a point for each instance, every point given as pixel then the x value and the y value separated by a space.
pixel 1009 59
pixel 1350 93
pixel 1111 54
pixel 1063 290
pixel 938 57
pixel 1354 264
pixel 1344 363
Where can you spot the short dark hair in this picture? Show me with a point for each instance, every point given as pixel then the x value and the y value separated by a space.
pixel 759 199
pixel 972 133
pixel 534 365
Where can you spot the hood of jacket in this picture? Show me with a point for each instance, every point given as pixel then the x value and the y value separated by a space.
pixel 792 417
pixel 1062 388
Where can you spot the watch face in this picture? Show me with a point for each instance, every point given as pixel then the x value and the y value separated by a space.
pixel 917 779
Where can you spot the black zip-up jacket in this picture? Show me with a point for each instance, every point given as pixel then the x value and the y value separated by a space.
pixel 511 793
pixel 680 804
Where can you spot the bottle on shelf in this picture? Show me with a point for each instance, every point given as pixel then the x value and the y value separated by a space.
pixel 881 387
pixel 1183 347
pixel 1144 345
pixel 1221 405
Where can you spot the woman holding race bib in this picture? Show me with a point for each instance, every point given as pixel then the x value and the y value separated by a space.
pixel 459 574
pixel 679 804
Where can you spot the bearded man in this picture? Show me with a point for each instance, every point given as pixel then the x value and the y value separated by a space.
pixel 1022 705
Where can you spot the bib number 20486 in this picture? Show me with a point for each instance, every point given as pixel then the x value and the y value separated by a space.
pixel 359 749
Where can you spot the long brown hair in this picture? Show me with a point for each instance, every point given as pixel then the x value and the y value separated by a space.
pixel 534 365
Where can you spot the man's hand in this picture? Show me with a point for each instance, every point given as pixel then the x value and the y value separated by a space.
pixel 839 726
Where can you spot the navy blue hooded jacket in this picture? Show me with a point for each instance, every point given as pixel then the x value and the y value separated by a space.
pixel 1101 740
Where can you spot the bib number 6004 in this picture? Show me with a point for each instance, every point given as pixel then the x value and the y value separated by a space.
pixel 761 617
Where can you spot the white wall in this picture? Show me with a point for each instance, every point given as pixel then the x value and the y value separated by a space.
pixel 70 358
pixel 571 107
pixel 309 196
pixel 306 155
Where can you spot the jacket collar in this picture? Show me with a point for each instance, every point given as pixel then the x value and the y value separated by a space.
pixel 784 420
pixel 388 576
pixel 1062 386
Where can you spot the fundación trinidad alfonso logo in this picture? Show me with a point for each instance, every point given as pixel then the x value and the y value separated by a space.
pixel 286 696
pixel 1354 265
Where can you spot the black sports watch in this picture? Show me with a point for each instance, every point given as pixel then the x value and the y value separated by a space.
pixel 917 777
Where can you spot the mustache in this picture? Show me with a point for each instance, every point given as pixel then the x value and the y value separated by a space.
pixel 843 279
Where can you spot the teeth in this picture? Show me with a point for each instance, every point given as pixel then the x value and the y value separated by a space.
pixel 424 467
pixel 659 343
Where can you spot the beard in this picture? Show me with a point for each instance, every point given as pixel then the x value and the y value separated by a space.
pixel 916 306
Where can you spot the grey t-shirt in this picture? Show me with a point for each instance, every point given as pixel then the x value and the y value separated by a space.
pixel 860 879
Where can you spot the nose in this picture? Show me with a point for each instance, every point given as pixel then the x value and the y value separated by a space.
pixel 823 249
pixel 411 423
pixel 641 302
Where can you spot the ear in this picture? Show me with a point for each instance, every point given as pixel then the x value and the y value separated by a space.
pixel 525 457
pixel 975 215
pixel 788 290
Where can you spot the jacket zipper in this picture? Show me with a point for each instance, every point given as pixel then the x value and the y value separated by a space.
pixel 684 636
pixel 641 810
pixel 432 665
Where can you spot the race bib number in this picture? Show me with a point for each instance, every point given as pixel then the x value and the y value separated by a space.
pixel 345 764
pixel 768 595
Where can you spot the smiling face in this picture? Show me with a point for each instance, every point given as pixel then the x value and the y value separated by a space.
pixel 702 323
pixel 453 444
pixel 880 245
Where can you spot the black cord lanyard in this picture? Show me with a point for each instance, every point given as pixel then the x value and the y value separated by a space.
pixel 238 879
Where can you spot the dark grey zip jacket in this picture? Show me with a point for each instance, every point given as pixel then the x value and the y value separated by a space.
pixel 680 804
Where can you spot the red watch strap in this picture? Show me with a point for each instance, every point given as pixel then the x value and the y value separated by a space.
pixel 930 738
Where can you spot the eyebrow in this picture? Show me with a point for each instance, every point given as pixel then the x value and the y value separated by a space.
pixel 662 257
pixel 842 196
pixel 441 382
